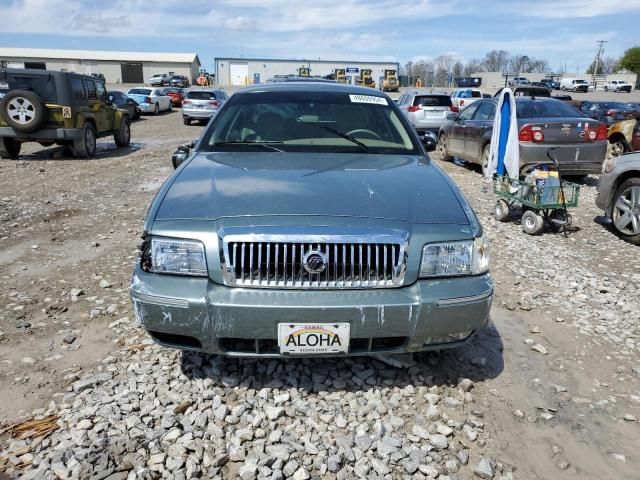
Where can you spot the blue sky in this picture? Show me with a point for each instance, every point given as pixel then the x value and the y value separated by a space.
pixel 556 30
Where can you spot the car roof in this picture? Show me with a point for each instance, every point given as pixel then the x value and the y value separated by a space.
pixel 313 86
pixel 38 71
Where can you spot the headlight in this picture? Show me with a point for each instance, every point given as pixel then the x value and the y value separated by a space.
pixel 178 257
pixel 470 257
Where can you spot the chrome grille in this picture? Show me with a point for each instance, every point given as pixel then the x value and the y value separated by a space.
pixel 264 263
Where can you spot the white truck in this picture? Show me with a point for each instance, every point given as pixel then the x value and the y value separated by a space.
pixel 574 85
pixel 617 86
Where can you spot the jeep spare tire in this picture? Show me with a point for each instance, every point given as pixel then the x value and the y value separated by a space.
pixel 24 111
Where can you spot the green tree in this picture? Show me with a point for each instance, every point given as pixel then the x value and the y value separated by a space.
pixel 631 60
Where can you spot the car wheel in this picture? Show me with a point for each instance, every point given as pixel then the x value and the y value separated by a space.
pixel 441 149
pixel 9 148
pixel 625 212
pixel 85 146
pixel 123 135
pixel 156 110
pixel 137 114
pixel 484 159
pixel 532 223
pixel 501 211
pixel 186 121
pixel 23 110
pixel 618 147
pixel 170 107
pixel 605 89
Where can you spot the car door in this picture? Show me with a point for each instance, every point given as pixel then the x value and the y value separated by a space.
pixel 477 127
pixel 457 132
pixel 162 98
pixel 106 113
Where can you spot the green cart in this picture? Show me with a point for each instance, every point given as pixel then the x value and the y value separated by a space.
pixel 541 203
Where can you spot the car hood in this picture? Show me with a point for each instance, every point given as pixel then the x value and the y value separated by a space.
pixel 216 185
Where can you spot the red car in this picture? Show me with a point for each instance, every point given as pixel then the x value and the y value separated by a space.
pixel 177 95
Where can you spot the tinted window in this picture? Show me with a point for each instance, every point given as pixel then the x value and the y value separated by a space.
pixel 77 89
pixel 468 112
pixel 469 94
pixel 536 108
pixel 199 95
pixel 102 92
pixel 432 101
pixel 139 91
pixel 310 122
pixel 92 93
pixel 43 85
pixel 486 111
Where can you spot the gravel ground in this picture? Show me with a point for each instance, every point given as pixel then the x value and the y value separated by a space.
pixel 551 389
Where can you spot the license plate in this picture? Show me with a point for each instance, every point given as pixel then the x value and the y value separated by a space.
pixel 313 338
pixel 432 113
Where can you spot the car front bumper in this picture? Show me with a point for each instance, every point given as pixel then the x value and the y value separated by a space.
pixel 198 314
pixel 44 134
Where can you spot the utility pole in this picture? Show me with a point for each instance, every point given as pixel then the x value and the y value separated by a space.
pixel 595 70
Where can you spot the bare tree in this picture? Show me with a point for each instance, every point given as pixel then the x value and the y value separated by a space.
pixel 473 66
pixel 496 60
pixel 409 68
pixel 441 77
pixel 537 66
pixel 519 63
pixel 610 65
pixel 458 67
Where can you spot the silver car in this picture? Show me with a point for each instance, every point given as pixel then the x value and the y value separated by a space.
pixel 201 105
pixel 619 195
pixel 427 111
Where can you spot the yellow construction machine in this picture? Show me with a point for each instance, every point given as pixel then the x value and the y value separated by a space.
pixel 390 81
pixel 339 75
pixel 365 79
pixel 304 72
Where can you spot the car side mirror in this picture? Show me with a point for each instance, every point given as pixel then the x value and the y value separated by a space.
pixel 452 116
pixel 429 141
pixel 180 155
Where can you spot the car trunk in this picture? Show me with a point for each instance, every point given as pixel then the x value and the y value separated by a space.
pixel 432 107
pixel 201 101
pixel 561 130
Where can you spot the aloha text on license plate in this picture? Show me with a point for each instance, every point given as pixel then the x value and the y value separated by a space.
pixel 313 338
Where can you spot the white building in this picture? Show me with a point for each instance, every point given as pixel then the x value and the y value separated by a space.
pixel 251 71
pixel 117 67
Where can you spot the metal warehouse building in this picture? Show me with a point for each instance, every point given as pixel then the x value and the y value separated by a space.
pixel 251 71
pixel 117 67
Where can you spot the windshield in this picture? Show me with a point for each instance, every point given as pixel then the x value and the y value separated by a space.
pixel 469 94
pixel 310 122
pixel 433 101
pixel 139 91
pixel 555 108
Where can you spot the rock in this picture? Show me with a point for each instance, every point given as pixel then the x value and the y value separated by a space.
pixel 273 413
pixel 361 468
pixel 28 360
pixel 629 418
pixel 444 430
pixel 539 348
pixel 484 469
pixel 439 441
pixel 104 284
pixel 363 442
pixel 334 463
pixel 379 466
pixel 561 462
pixel 69 338
pixel 388 445
pixel 290 468
pixel 451 466
pixel 433 413
pixel 301 474
pixel 248 471
pixel 76 292
pixel 92 381
pixel 463 456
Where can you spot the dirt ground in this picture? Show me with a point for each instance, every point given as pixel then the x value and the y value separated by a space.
pixel 68 224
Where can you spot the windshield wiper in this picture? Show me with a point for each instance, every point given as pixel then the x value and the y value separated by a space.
pixel 346 137
pixel 264 144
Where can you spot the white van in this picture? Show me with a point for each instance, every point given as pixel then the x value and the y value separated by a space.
pixel 574 85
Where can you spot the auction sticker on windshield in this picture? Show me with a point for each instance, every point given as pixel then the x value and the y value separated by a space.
pixel 305 338
pixel 368 99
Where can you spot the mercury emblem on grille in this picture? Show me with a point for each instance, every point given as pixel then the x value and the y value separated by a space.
pixel 314 261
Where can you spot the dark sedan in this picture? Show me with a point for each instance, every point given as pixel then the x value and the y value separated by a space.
pixel 179 81
pixel 543 123
pixel 120 100
pixel 608 112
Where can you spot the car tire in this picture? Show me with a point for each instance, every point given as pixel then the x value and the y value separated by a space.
pixel 605 89
pixel 627 197
pixel 186 121
pixel 123 136
pixel 618 147
pixel 137 114
pixel 85 146
pixel 532 223
pixel 441 149
pixel 9 148
pixel 23 110
pixel 501 211
pixel 156 110
pixel 170 107
pixel 484 159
